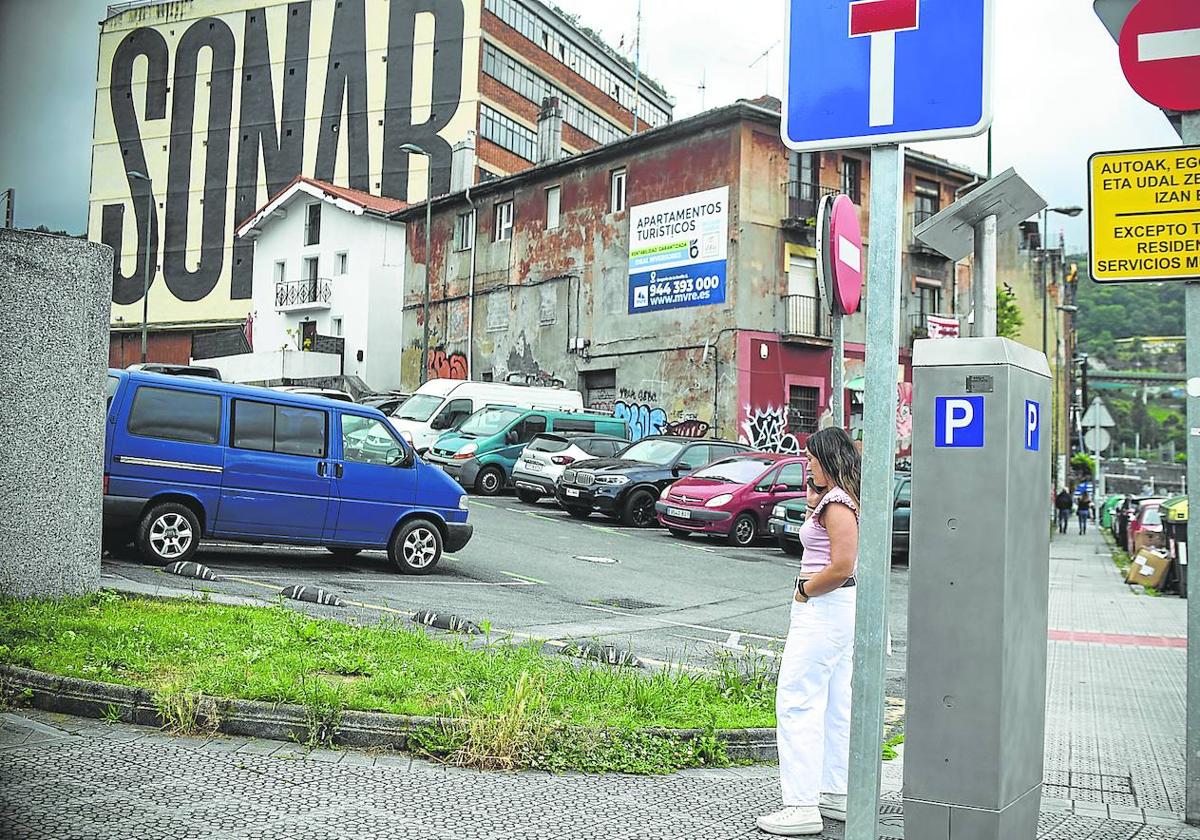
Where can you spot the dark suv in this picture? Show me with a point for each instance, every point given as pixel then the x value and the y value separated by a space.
pixel 626 488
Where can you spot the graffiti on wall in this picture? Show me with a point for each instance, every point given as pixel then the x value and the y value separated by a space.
pixel 443 365
pixel 690 428
pixel 766 429
pixel 904 421
pixel 643 419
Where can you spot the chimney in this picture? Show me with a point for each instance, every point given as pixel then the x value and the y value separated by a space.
pixel 462 164
pixel 550 123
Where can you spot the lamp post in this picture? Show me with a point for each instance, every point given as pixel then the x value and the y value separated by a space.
pixel 141 176
pixel 417 150
pixel 1071 211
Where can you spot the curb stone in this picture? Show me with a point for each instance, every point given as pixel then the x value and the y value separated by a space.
pixel 289 722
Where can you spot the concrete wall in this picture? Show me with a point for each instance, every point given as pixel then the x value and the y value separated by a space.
pixel 53 358
pixel 269 366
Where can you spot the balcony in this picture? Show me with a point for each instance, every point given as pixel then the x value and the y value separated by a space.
pixel 302 295
pixel 803 198
pixel 916 218
pixel 806 317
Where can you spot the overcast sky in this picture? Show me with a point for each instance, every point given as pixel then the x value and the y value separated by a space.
pixel 1059 90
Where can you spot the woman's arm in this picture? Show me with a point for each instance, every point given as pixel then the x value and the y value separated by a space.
pixel 842 525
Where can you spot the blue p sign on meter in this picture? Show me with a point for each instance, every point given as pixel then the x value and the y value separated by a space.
pixel 958 423
pixel 869 72
pixel 1033 425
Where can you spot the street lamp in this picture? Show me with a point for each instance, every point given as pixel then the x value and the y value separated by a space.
pixel 417 150
pixel 141 176
pixel 1071 211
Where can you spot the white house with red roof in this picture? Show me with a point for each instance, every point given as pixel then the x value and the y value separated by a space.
pixel 328 264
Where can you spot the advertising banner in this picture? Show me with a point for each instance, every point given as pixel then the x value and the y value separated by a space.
pixel 677 251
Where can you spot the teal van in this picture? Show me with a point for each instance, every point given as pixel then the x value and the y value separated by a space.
pixel 481 453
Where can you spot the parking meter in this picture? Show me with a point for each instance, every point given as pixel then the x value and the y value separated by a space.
pixel 978 590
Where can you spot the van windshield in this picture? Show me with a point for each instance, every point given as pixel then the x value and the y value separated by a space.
pixel 419 407
pixel 489 421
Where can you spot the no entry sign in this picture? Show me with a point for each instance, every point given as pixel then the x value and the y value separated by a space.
pixel 839 254
pixel 1160 53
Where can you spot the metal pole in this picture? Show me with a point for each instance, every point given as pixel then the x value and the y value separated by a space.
pixel 428 268
pixel 1191 136
pixel 879 458
pixel 983 278
pixel 1045 279
pixel 146 277
pixel 838 378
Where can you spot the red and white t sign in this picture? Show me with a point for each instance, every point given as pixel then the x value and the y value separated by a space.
pixel 881 20
pixel 1160 53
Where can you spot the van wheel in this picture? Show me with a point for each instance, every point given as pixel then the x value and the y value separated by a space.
pixel 490 481
pixel 530 497
pixel 416 547
pixel 578 512
pixel 342 553
pixel 744 530
pixel 168 533
pixel 639 509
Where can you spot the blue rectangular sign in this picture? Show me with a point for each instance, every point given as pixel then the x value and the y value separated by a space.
pixel 859 73
pixel 686 285
pixel 1033 426
pixel 958 422
pixel 678 251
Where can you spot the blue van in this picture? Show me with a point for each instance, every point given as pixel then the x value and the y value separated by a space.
pixel 187 458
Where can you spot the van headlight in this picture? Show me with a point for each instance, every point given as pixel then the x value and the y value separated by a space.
pixel 612 480
pixel 467 451
pixel 778 512
pixel 717 501
pixel 462 502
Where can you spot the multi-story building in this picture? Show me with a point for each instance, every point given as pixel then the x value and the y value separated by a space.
pixel 549 275
pixel 207 108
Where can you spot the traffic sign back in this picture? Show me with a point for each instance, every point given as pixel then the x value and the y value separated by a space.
pixel 1160 53
pixel 870 72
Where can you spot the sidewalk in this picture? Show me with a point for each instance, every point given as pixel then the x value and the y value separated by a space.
pixel 1114 761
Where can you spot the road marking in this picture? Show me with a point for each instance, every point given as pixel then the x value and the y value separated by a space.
pixel 604 530
pixel 794 565
pixel 539 516
pixel 379 608
pixel 770 654
pixel 702 548
pixel 1159 46
pixel 673 623
pixel 526 579
pixel 483 504
pixel 274 587
pixel 428 581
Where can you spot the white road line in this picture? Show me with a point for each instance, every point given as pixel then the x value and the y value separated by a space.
pixel 483 504
pixel 702 548
pixel 1178 43
pixel 522 577
pixel 539 516
pixel 770 654
pixel 672 623
pixel 795 565
pixel 604 530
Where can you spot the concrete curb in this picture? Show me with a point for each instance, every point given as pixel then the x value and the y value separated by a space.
pixel 287 722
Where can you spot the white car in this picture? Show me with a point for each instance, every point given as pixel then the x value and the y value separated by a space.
pixel 547 455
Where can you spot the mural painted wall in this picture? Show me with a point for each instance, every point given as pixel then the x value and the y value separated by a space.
pixel 223 102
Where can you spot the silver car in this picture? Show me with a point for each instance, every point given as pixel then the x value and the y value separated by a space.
pixel 547 455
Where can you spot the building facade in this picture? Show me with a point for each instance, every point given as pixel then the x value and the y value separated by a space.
pixel 328 275
pixel 206 108
pixel 559 275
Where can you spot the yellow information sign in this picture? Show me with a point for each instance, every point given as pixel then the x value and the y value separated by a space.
pixel 1145 215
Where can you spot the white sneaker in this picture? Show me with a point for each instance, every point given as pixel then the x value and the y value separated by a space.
pixel 833 806
pixel 792 822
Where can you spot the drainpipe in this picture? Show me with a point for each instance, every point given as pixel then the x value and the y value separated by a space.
pixel 471 287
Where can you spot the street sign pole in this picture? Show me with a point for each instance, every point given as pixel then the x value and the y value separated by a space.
pixel 837 380
pixel 875 523
pixel 983 281
pixel 1191 136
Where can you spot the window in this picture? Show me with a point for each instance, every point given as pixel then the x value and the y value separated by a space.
pixel 504 221
pixel 803 403
pixel 464 232
pixel 452 416
pixel 368 441
pixel 852 178
pixel 793 477
pixel 695 457
pixel 929 300
pixel 110 389
pixel 618 190
pixel 927 200
pixel 717 452
pixel 312 224
pixel 280 271
pixel 532 425
pixel 802 167
pixel 336 326
pixel 175 415
pixel 507 133
pixel 341 261
pixel 553 199
pixel 265 427
pixel 573 425
pixel 311 266
pixel 598 447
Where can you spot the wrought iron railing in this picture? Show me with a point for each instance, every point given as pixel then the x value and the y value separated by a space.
pixel 315 290
pixel 803 197
pixel 807 317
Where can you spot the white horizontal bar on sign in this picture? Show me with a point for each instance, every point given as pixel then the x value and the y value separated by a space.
pixel 849 253
pixel 1160 46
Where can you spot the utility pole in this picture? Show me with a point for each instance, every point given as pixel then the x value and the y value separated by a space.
pixel 637 68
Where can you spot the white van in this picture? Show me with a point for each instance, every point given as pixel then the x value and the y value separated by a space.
pixel 442 404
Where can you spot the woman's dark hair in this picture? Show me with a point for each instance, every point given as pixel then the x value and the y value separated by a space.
pixel 840 459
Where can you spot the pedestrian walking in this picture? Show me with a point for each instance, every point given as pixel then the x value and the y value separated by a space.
pixel 1062 503
pixel 1084 511
pixel 812 702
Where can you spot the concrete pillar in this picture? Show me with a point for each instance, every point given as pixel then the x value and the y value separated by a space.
pixel 57 294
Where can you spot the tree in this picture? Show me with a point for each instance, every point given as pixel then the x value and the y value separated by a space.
pixel 1083 464
pixel 1008 316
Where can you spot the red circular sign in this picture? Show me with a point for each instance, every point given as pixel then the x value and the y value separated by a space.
pixel 1160 53
pixel 846 254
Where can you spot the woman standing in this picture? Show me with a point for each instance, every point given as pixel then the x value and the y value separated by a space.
pixel 812 703
pixel 1084 509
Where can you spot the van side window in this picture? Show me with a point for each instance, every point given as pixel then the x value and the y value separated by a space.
pixel 265 427
pixel 366 440
pixel 531 426
pixel 453 414
pixel 571 424
pixel 110 388
pixel 175 415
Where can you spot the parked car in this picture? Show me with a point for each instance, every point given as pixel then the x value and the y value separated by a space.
pixel 628 486
pixel 786 519
pixel 544 459
pixel 177 370
pixel 187 458
pixel 1122 516
pixel 1145 527
pixel 441 405
pixel 732 498
pixel 304 390
pixel 387 403
pixel 483 451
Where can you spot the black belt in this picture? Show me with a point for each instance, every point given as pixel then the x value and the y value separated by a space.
pixel 850 581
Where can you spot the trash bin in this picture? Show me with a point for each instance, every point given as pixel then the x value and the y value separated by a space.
pixel 1175 518
pixel 1107 511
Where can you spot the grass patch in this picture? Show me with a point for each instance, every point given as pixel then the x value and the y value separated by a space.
pixel 519 707
pixel 1121 558
pixel 889 747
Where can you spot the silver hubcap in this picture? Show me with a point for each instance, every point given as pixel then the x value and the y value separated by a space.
pixel 490 482
pixel 420 548
pixel 745 531
pixel 170 535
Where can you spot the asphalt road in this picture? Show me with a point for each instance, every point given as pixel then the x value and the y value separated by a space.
pixel 531 569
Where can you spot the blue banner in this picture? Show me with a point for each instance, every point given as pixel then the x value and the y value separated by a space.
pixel 686 285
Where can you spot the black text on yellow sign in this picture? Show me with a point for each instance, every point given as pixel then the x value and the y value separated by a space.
pixel 1145 215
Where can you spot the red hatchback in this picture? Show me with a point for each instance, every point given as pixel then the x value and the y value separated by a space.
pixel 733 497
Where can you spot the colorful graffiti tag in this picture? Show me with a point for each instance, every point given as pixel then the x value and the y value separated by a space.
pixel 443 365
pixel 766 430
pixel 692 428
pixel 904 421
pixel 644 420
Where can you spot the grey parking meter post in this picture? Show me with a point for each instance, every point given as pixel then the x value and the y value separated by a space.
pixel 978 591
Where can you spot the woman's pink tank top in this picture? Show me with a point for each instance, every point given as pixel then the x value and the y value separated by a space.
pixel 816 538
